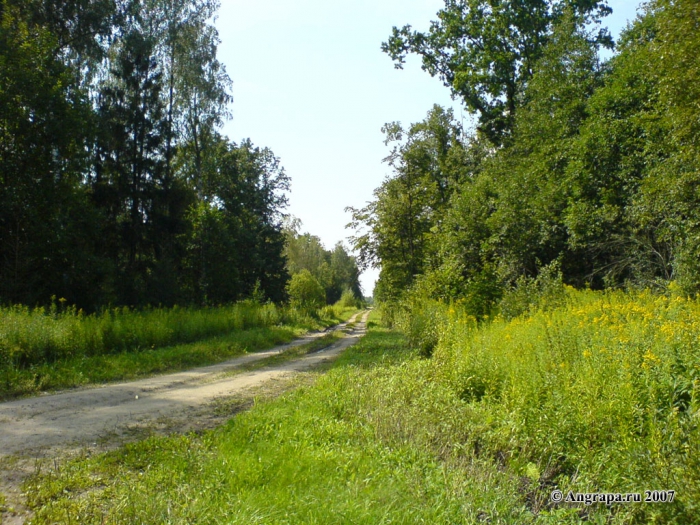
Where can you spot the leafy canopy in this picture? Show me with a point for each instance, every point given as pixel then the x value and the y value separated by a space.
pixel 485 51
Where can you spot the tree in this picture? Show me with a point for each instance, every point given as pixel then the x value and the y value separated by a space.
pixel 346 274
pixel 196 85
pixel 667 209
pixel 129 167
pixel 335 270
pixel 115 186
pixel 46 225
pixel 236 242
pixel 528 226
pixel 305 252
pixel 428 162
pixel 461 218
pixel 485 51
pixel 305 292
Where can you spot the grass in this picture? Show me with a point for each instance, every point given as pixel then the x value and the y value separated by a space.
pixel 597 394
pixel 297 351
pixel 249 328
pixel 293 460
pixel 41 335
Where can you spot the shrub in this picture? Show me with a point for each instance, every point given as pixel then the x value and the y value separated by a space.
pixel 348 300
pixel 601 391
pixel 545 291
pixel 306 293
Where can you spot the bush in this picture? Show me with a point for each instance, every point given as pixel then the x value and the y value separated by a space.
pixel 546 291
pixel 601 391
pixel 348 300
pixel 305 293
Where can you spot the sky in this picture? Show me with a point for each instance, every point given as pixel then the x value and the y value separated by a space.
pixel 311 83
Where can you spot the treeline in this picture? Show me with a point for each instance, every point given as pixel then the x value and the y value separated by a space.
pixel 580 167
pixel 319 276
pixel 115 184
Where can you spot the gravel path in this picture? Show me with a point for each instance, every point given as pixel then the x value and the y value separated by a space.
pixel 36 425
pixel 84 421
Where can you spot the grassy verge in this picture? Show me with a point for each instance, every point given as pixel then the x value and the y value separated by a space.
pixel 481 433
pixel 16 381
pixel 333 452
pixel 35 336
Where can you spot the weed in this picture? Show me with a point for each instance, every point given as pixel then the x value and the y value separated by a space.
pixel 42 351
pixel 598 393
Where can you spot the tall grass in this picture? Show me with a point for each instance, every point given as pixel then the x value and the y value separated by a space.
pixel 310 457
pixel 48 349
pixel 597 392
pixel 34 336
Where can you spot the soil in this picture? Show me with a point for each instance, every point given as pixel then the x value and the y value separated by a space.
pixel 89 420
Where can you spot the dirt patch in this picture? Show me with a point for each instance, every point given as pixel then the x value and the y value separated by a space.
pixel 97 419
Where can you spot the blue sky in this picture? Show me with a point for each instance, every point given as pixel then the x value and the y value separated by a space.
pixel 311 83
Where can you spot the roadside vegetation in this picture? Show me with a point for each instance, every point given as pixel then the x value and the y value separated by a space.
pixel 579 163
pixel 120 193
pixel 47 349
pixel 593 392
pixel 538 288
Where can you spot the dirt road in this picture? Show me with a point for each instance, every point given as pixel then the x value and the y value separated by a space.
pixel 82 417
pixel 96 419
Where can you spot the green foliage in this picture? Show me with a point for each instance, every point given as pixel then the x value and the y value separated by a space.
pixel 420 321
pixel 116 186
pixel 428 164
pixel 486 51
pixel 235 240
pixel 33 336
pixel 60 347
pixel 597 395
pixel 616 370
pixel 528 294
pixel 305 292
pixel 668 205
pixel 597 174
pixel 336 270
pixel 44 124
pixel 348 300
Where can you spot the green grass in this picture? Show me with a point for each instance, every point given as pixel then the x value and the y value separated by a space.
pixel 480 433
pixel 134 362
pixel 292 353
pixel 304 458
pixel 36 336
pixel 334 452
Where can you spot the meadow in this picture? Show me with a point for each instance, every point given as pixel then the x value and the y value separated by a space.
pixel 61 347
pixel 589 393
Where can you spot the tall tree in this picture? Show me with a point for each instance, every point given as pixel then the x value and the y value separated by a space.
pixel 115 186
pixel 45 225
pixel 667 209
pixel 428 162
pixel 335 270
pixel 130 159
pixel 485 51
pixel 237 241
pixel 196 86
